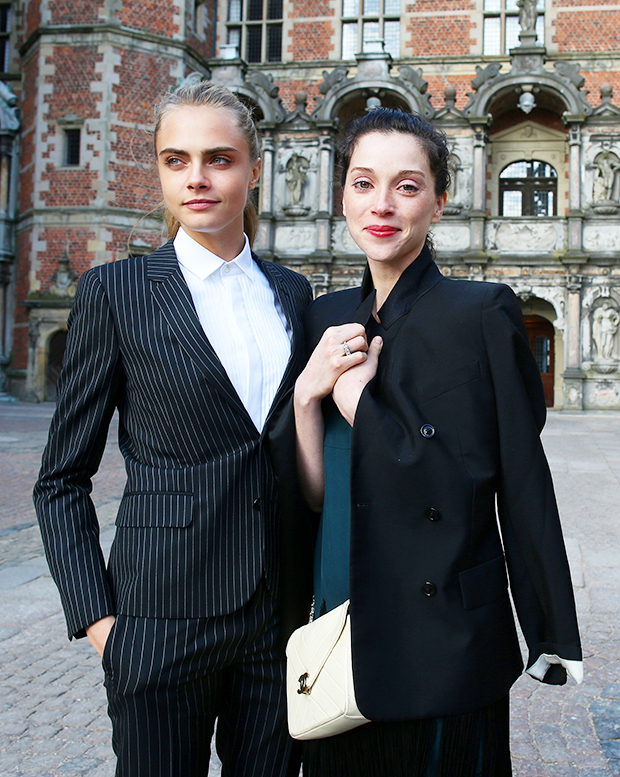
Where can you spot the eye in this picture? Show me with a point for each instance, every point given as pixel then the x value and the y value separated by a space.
pixel 220 160
pixel 362 185
pixel 173 161
pixel 409 188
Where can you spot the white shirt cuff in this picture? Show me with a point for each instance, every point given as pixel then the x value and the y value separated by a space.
pixel 539 669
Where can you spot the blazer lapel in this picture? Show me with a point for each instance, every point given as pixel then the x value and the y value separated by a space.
pixel 173 297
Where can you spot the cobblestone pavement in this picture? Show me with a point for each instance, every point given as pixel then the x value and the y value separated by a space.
pixel 52 701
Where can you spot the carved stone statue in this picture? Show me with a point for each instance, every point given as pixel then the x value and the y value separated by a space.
pixel 607 165
pixel 527 15
pixel 605 322
pixel 296 173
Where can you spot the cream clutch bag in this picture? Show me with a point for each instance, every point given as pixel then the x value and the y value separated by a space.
pixel 319 678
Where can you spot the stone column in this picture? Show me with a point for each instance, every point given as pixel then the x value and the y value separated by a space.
pixel 326 198
pixel 478 214
pixel 575 214
pixel 265 237
pixel 573 376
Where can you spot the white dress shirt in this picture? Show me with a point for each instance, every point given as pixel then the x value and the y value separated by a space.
pixel 242 320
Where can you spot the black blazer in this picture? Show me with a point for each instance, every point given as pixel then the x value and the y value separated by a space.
pixel 198 524
pixel 447 430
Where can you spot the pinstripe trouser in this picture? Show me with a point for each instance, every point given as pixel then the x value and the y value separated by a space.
pixel 168 681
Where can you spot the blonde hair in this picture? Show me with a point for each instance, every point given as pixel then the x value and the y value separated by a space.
pixel 207 94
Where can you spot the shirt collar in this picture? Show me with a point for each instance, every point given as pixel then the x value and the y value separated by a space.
pixel 415 279
pixel 203 263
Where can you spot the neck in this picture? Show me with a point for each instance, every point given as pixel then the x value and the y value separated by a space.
pixel 225 245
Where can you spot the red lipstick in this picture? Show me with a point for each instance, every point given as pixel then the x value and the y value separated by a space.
pixel 379 230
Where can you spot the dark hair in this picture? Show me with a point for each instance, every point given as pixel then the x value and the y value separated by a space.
pixel 207 94
pixel 394 120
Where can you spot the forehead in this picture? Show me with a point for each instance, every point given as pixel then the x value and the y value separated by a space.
pixel 203 125
pixel 378 150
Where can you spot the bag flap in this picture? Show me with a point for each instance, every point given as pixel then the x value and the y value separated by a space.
pixel 309 646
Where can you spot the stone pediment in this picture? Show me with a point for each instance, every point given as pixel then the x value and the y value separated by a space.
pixel 529 131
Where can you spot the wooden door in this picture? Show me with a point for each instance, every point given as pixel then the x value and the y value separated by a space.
pixel 541 335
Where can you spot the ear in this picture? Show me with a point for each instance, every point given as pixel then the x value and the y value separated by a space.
pixel 256 168
pixel 439 206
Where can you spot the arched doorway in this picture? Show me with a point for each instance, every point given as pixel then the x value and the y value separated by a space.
pixel 55 353
pixel 541 334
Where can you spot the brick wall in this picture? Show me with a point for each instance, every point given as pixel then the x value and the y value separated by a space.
pixel 77 11
pixel 155 16
pixel 311 40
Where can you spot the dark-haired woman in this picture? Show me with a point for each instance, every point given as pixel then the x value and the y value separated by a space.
pixel 413 447
pixel 193 345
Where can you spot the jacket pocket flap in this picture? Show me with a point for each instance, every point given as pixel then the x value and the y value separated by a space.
pixel 484 583
pixel 446 381
pixel 155 510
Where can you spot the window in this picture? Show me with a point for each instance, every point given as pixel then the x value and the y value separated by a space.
pixel 199 16
pixel 255 28
pixel 72 147
pixel 502 28
pixel 369 20
pixel 5 36
pixel 528 188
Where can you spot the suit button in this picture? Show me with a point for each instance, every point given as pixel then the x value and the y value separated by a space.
pixel 433 514
pixel 256 504
pixel 429 589
pixel 427 431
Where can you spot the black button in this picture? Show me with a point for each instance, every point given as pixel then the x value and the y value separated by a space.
pixel 256 504
pixel 427 431
pixel 433 514
pixel 429 589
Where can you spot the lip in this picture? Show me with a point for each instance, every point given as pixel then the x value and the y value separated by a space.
pixel 199 204
pixel 382 230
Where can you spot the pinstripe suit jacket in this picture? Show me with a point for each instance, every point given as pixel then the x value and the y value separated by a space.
pixel 198 523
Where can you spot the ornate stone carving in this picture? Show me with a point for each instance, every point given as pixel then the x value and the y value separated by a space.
pixel 527 14
pixel 485 74
pixel 296 174
pixel 605 321
pixel 414 77
pixel 519 237
pixel 606 165
pixel 569 72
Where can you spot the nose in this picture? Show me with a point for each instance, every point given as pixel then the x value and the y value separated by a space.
pixel 197 177
pixel 383 203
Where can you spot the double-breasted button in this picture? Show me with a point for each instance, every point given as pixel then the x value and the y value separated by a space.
pixel 429 589
pixel 433 514
pixel 256 504
pixel 428 431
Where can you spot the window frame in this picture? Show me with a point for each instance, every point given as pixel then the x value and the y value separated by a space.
pixel 5 36
pixel 238 30
pixel 360 19
pixel 69 132
pixel 503 14
pixel 528 186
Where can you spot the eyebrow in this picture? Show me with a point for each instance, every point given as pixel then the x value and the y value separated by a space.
pixel 400 172
pixel 206 152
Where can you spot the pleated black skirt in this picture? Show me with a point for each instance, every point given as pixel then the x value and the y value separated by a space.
pixel 472 744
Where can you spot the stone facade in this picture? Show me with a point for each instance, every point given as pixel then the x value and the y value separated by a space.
pixel 93 71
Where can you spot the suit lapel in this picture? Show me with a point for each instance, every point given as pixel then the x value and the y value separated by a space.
pixel 173 297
